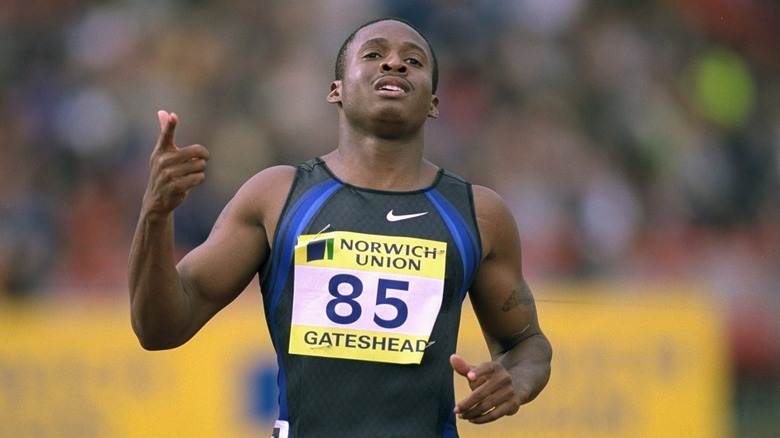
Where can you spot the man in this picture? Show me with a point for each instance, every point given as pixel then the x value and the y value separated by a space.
pixel 364 255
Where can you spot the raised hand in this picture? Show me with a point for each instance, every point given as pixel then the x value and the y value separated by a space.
pixel 492 395
pixel 174 171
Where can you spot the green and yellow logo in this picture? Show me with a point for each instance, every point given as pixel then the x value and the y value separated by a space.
pixel 319 250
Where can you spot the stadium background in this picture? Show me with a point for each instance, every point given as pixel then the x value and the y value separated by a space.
pixel 638 144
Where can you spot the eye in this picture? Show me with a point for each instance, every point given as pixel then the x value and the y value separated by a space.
pixel 414 61
pixel 372 55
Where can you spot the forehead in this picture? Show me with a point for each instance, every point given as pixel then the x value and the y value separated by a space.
pixel 393 32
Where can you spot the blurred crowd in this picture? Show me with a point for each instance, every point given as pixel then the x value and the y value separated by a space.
pixel 635 141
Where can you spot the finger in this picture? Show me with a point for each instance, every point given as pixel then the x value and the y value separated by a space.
pixel 487 417
pixel 195 152
pixel 168 124
pixel 460 366
pixel 187 167
pixel 482 370
pixel 192 180
pixel 482 386
pixel 484 410
pixel 481 402
pixel 468 407
pixel 163 117
pixel 502 404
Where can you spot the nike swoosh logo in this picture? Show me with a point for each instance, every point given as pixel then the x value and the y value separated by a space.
pixel 392 217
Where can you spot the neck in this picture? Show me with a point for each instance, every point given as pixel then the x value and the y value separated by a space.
pixel 382 164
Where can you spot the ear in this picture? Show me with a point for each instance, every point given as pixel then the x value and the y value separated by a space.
pixel 335 92
pixel 433 112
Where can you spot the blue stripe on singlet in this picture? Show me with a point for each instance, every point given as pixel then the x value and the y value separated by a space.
pixel 293 224
pixel 450 431
pixel 465 239
pixel 470 254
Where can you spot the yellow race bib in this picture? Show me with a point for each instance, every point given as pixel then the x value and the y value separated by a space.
pixel 366 297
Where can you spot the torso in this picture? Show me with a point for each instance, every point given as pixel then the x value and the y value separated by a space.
pixel 365 312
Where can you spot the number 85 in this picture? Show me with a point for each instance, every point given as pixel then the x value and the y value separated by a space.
pixel 402 312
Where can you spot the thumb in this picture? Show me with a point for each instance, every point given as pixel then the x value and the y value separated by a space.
pixel 460 366
pixel 168 124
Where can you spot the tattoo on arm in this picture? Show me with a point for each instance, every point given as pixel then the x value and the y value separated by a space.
pixel 518 297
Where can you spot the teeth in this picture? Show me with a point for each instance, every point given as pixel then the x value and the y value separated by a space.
pixel 391 88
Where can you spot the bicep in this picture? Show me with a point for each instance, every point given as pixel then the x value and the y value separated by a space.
pixel 217 271
pixel 500 296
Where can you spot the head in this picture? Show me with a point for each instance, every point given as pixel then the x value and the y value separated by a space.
pixel 341 59
pixel 385 80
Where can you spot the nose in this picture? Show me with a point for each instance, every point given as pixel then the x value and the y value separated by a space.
pixel 393 64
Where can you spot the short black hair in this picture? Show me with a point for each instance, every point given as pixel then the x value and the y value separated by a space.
pixel 341 59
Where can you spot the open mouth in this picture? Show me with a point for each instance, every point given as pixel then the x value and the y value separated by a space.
pixel 392 86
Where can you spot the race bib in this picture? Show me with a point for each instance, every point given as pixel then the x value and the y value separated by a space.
pixel 366 297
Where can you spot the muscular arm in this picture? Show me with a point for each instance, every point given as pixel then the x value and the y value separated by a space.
pixel 505 308
pixel 170 302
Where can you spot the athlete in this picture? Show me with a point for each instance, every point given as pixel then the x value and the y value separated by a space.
pixel 365 256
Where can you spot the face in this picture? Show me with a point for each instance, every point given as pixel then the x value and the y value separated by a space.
pixel 387 78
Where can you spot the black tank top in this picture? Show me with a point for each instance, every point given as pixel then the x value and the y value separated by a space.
pixel 362 297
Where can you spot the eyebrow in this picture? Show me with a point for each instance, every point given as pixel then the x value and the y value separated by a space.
pixel 407 45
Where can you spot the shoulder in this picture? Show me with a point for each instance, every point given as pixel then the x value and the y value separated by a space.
pixel 490 207
pixel 497 225
pixel 487 202
pixel 263 195
pixel 274 176
pixel 268 183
